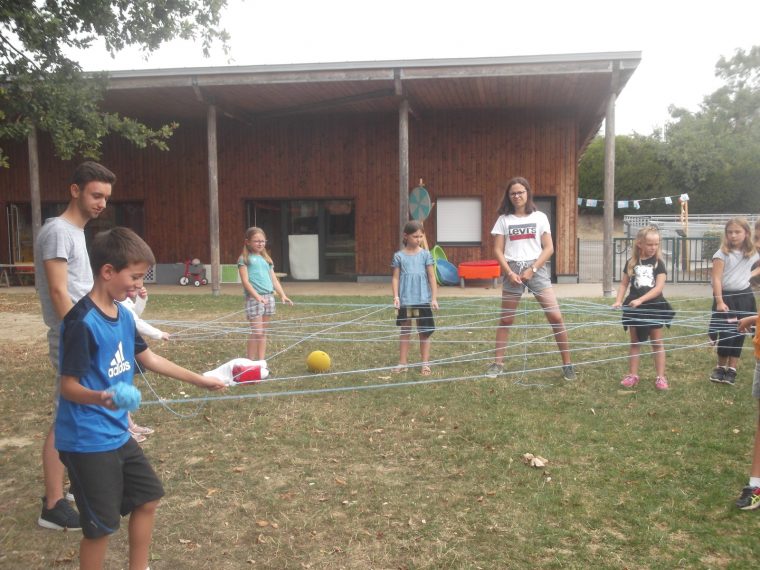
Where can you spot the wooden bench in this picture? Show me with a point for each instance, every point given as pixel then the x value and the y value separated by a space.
pixel 19 272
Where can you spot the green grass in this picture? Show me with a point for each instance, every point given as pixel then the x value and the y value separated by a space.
pixel 419 476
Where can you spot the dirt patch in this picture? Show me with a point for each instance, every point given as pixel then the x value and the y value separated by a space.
pixel 22 327
pixel 15 442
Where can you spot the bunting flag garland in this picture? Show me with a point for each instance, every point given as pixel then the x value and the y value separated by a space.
pixel 635 204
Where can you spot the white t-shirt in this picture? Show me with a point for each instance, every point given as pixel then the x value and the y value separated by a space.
pixel 736 269
pixel 522 235
pixel 60 239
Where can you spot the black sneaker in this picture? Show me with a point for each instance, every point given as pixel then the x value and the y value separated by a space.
pixel 60 517
pixel 749 499
pixel 718 374
pixel 730 376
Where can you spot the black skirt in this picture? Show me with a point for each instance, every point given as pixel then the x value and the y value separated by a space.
pixel 647 316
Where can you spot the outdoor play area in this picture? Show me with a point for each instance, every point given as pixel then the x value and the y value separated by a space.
pixel 361 468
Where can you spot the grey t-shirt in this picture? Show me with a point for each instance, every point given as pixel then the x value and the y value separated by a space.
pixel 59 239
pixel 736 269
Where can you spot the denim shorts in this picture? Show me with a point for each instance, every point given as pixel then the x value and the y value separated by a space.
pixel 540 280
pixel 254 309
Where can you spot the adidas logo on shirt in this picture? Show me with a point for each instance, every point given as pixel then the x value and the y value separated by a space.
pixel 118 364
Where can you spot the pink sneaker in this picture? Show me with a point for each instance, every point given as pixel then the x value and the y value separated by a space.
pixel 661 383
pixel 629 381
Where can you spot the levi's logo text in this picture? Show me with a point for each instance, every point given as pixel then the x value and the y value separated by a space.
pixel 118 364
pixel 522 231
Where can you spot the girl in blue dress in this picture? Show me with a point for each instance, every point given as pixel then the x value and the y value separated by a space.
pixel 414 294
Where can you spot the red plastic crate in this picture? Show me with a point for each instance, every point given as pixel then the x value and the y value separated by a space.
pixel 484 269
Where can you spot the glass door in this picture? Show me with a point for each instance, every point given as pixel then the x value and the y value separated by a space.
pixel 268 215
pixel 308 239
pixel 546 205
pixel 303 239
pixel 20 233
pixel 340 239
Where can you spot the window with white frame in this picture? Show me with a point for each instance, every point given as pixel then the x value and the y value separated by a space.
pixel 459 220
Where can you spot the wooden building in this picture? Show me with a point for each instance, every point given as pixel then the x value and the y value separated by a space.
pixel 322 156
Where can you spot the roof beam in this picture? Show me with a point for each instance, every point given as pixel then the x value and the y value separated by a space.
pixel 119 80
pixel 227 110
pixel 509 70
pixel 327 104
pixel 401 93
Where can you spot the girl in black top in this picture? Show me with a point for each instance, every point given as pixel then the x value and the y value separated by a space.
pixel 645 310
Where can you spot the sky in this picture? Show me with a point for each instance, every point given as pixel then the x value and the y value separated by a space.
pixel 680 42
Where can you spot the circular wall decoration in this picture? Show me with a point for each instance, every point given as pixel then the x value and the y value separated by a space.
pixel 419 203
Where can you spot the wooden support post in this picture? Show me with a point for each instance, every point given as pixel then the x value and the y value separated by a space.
pixel 403 167
pixel 213 198
pixel 34 184
pixel 609 183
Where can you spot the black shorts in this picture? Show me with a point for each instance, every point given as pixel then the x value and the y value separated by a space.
pixel 109 485
pixel 423 314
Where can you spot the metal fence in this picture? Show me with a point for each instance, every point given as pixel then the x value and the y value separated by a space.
pixel 687 260
pixel 671 226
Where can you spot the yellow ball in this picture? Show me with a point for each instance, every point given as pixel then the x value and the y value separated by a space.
pixel 318 361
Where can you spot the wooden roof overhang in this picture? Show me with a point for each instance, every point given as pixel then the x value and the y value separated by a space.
pixel 579 84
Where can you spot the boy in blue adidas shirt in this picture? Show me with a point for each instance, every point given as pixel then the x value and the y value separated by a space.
pixel 110 476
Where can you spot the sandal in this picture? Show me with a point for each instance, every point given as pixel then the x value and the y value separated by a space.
pixel 399 369
pixel 141 430
pixel 138 437
pixel 425 370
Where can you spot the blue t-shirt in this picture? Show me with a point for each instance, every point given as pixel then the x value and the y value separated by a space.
pixel 100 351
pixel 414 287
pixel 258 273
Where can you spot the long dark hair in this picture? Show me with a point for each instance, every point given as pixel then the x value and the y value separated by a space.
pixel 507 207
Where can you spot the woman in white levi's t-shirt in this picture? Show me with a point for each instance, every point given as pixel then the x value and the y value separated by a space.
pixel 523 245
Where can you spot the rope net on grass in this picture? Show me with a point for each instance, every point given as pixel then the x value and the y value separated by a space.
pixel 463 344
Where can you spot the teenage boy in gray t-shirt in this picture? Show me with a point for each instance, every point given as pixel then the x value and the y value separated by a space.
pixel 63 276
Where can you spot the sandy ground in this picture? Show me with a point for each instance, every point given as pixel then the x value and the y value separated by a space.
pixel 22 327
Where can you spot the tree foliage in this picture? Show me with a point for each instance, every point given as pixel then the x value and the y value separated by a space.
pixel 710 154
pixel 43 88
pixel 640 173
pixel 713 151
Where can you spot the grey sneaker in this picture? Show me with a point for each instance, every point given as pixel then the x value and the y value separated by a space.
pixel 718 374
pixel 730 376
pixel 568 372
pixel 60 517
pixel 494 370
